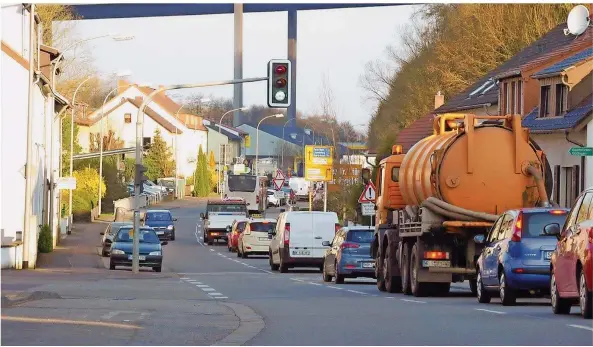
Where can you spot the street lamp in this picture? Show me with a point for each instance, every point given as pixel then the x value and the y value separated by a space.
pixel 219 133
pixel 279 115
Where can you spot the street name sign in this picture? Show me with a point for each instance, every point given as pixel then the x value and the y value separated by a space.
pixel 581 151
pixel 319 163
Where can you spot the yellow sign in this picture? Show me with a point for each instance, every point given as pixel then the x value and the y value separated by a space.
pixel 319 161
pixel 247 141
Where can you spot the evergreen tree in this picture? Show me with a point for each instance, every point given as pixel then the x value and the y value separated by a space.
pixel 202 186
pixel 159 159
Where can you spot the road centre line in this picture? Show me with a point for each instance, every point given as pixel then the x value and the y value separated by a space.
pixel 316 284
pixel 334 287
pixel 415 301
pixel 580 327
pixel 356 291
pixel 215 294
pixel 491 311
pixel 208 289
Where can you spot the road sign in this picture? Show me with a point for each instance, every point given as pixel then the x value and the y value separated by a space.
pixel 581 151
pixel 279 179
pixel 368 194
pixel 63 183
pixel 368 209
pixel 319 163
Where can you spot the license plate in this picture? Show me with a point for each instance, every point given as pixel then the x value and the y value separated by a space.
pixel 140 257
pixel 436 263
pixel 160 232
pixel 368 265
pixel 301 252
pixel 548 254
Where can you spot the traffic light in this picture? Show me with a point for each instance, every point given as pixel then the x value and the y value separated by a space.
pixel 140 178
pixel 279 77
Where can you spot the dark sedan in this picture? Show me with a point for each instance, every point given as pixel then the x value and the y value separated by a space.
pixel 162 223
pixel 349 255
pixel 149 248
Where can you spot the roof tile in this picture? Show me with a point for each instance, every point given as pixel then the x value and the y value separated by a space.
pixel 557 68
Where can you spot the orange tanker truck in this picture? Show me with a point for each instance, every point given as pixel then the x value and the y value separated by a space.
pixel 448 188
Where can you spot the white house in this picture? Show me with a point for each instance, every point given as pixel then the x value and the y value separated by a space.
pixel 184 133
pixel 29 107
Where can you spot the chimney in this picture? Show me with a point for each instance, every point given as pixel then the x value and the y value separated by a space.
pixel 439 100
pixel 122 85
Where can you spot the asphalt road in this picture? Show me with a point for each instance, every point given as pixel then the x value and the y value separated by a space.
pixel 300 309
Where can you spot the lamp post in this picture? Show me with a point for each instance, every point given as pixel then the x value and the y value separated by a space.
pixel 219 133
pixel 284 141
pixel 279 115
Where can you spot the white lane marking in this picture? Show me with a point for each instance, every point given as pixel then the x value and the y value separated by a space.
pixel 390 297
pixel 215 294
pixel 491 311
pixel 110 315
pixel 243 264
pixel 219 297
pixel 416 301
pixel 197 237
pixel 184 278
pixel 297 279
pixel 266 271
pixel 202 286
pixel 334 287
pixel 143 315
pixel 315 284
pixel 208 289
pixel 580 327
pixel 211 250
pixel 356 291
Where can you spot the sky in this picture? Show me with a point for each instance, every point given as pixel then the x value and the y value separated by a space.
pixel 331 44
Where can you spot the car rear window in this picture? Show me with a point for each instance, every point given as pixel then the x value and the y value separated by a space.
pixel 534 223
pixel 262 227
pixel 360 236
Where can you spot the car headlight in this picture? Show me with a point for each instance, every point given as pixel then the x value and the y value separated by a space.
pixel 155 253
pixel 170 227
pixel 117 251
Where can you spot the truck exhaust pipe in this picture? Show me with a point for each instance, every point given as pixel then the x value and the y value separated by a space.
pixel 541 188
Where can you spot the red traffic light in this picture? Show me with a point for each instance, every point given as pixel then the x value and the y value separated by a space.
pixel 281 83
pixel 280 70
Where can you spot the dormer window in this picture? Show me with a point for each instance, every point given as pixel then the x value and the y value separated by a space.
pixel 128 118
pixel 544 107
pixel 561 96
pixel 511 97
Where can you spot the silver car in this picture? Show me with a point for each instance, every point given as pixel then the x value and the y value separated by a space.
pixel 109 234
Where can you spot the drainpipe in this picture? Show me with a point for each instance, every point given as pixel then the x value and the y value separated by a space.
pixel 27 232
pixel 566 133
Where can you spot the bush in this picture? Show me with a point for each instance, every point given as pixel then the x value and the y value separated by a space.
pixel 85 196
pixel 45 243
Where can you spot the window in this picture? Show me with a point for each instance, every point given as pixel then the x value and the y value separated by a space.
pixel 395 174
pixel 146 142
pixel 571 219
pixel 513 98
pixel 583 214
pixel 544 109
pixel 505 99
pixel 494 231
pixel 519 97
pixel 506 228
pixel 561 91
pixel 380 183
pixel 128 118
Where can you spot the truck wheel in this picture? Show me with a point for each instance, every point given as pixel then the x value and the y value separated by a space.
pixel 379 272
pixel 508 297
pixel 393 284
pixel 418 288
pixel 481 292
pixel 405 266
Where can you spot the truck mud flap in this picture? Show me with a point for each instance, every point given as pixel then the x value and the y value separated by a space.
pixel 425 275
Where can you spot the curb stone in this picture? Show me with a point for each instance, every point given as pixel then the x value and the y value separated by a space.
pixel 250 324
pixel 16 299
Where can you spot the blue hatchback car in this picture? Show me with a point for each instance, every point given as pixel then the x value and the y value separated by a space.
pixel 349 255
pixel 516 255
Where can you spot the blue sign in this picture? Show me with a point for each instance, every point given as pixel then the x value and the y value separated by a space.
pixel 321 152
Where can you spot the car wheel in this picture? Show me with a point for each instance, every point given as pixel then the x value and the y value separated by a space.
pixel 273 266
pixel 338 279
pixel 393 284
pixel 482 294
pixel 379 272
pixel 585 297
pixel 473 286
pixel 326 277
pixel 157 269
pixel 111 266
pixel 508 297
pixel 283 267
pixel 238 252
pixel 244 254
pixel 559 305
pixel 418 288
pixel 405 266
pixel 173 236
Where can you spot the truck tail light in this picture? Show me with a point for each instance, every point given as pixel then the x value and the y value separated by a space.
pixel 287 234
pixel 518 228
pixel 349 245
pixel 436 255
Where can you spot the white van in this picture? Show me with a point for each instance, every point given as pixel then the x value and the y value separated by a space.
pixel 300 186
pixel 298 239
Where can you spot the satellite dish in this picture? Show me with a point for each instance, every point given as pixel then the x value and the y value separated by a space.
pixel 578 21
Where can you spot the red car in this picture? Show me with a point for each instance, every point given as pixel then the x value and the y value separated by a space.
pixel 571 279
pixel 233 234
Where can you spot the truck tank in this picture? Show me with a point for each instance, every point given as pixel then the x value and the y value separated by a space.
pixel 483 168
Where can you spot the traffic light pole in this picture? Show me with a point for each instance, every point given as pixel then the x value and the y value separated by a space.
pixel 140 135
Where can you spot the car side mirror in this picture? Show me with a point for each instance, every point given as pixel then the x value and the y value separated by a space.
pixel 164 243
pixel 102 233
pixel 326 244
pixel 480 239
pixel 552 229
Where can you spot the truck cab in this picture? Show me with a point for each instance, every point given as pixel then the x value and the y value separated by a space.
pixel 389 195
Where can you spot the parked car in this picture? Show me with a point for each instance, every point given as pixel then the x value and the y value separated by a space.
pixel 109 234
pixel 572 274
pixel 160 188
pixel 150 248
pixel 255 239
pixel 298 239
pixel 162 222
pixel 233 233
pixel 349 255
pixel 516 256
